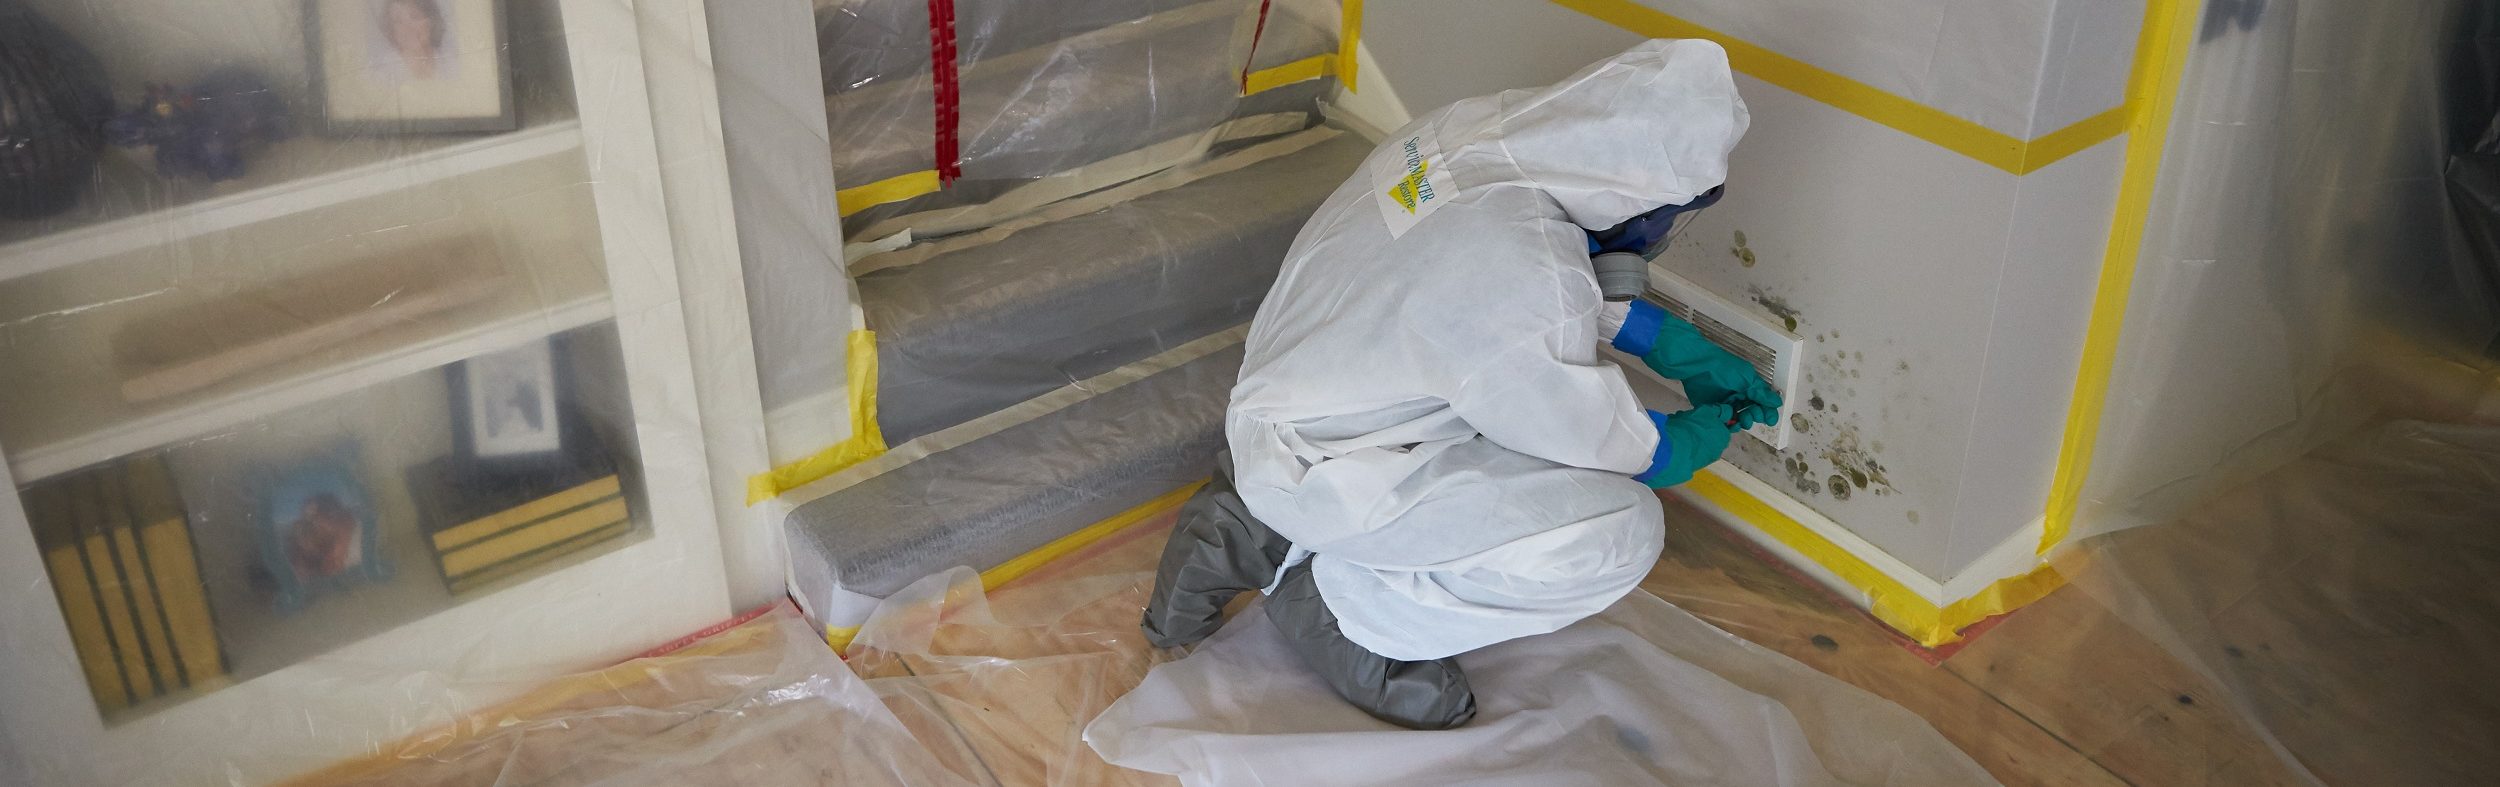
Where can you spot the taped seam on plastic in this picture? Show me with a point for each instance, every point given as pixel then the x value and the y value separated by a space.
pixel 1058 187
pixel 1989 146
pixel 1023 412
pixel 1341 64
pixel 866 442
pixel 2152 94
pixel 1890 601
pixel 893 189
pixel 1168 178
pixel 839 637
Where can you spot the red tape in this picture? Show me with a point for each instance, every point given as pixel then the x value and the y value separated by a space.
pixel 1256 32
pixel 949 93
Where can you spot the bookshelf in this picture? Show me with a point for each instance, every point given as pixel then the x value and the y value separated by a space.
pixel 363 304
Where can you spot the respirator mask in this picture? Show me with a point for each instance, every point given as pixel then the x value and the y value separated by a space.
pixel 1621 254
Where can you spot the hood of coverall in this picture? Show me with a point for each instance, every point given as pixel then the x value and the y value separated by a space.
pixel 1649 128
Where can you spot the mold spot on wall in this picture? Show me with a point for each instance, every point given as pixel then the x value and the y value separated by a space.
pixel 1800 423
pixel 1839 487
pixel 1801 476
pixel 1913 516
pixel 1857 464
pixel 1778 307
pixel 1744 256
pixel 1816 402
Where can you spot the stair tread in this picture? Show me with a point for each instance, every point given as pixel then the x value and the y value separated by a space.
pixel 973 330
pixel 985 502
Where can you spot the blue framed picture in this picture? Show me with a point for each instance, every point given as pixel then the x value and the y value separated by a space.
pixel 318 529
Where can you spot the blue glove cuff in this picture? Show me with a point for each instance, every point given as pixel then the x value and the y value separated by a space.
pixel 1640 333
pixel 1665 453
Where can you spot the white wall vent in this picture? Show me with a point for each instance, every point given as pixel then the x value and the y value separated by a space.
pixel 1775 353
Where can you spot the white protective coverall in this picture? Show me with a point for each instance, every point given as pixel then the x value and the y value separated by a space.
pixel 1422 407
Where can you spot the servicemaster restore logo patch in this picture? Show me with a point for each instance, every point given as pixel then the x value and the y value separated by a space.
pixel 1412 188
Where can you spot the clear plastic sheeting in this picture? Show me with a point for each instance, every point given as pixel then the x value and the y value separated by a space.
pixel 2302 272
pixel 997 351
pixel 1071 462
pixel 973 324
pixel 2299 467
pixel 1043 87
pixel 2342 601
pixel 1000 687
pixel 760 703
pixel 1643 693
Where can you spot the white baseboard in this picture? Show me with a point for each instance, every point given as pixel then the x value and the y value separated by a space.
pixel 1821 527
pixel 2015 556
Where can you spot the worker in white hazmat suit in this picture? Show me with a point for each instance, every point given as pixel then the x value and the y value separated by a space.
pixel 1427 454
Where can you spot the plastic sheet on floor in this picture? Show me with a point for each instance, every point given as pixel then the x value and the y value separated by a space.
pixel 1001 692
pixel 1642 693
pixel 761 703
pixel 2343 601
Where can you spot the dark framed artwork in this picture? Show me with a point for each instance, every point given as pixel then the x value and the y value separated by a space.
pixel 409 66
pixel 507 408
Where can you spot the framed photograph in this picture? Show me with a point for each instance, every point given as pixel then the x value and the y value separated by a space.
pixel 504 406
pixel 395 66
pixel 318 530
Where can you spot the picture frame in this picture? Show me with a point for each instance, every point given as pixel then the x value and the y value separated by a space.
pixel 410 66
pixel 508 408
pixel 319 532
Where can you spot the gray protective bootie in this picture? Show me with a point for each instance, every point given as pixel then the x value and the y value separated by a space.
pixel 1217 551
pixel 1419 695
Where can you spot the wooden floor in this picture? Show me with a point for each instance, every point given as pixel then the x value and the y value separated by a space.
pixel 2059 693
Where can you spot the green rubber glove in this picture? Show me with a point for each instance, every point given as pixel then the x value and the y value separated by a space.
pixel 1712 375
pixel 1688 441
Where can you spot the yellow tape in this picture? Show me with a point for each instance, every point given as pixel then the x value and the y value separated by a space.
pixel 867 441
pixel 1989 146
pixel 1341 65
pixel 839 637
pixel 1890 601
pixel 2152 94
pixel 893 189
pixel 1025 563
pixel 1302 70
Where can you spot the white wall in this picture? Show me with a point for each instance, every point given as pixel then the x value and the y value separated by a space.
pixel 1943 299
